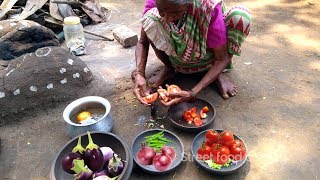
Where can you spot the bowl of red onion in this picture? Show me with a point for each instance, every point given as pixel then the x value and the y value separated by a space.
pixel 93 156
pixel 157 151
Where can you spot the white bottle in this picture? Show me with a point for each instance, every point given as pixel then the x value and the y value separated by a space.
pixel 74 36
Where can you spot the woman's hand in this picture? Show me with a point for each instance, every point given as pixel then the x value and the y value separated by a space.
pixel 140 89
pixel 178 97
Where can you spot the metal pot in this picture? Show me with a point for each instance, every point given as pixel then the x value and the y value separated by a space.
pixel 105 123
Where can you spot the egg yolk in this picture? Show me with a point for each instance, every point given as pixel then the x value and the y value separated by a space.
pixel 84 115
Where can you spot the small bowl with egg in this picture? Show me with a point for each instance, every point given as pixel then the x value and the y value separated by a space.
pixel 90 113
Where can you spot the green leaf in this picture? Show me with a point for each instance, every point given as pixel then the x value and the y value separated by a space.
pixel 228 163
pixel 78 166
pixel 214 165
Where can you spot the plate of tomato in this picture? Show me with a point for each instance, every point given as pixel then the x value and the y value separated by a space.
pixel 192 116
pixel 219 151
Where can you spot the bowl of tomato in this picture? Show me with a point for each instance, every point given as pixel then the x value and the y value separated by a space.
pixel 192 116
pixel 219 151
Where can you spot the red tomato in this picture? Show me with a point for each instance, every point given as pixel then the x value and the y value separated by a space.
pixel 187 117
pixel 151 98
pixel 205 109
pixel 162 95
pixel 212 136
pixel 173 88
pixel 202 114
pixel 226 138
pixel 197 121
pixel 215 148
pixel 207 143
pixel 237 150
pixel 204 152
pixel 193 110
pixel 194 115
pixel 221 155
pixel 190 120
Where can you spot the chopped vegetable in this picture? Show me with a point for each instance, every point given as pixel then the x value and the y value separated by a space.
pixel 150 125
pixel 217 166
pixel 191 116
pixel 151 98
pixel 197 121
pixel 203 115
pixel 205 109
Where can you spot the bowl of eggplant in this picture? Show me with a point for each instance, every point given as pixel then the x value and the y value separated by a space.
pixel 93 156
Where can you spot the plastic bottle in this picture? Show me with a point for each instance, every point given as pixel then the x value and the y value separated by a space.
pixel 74 36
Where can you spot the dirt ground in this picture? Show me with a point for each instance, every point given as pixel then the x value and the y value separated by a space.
pixel 276 111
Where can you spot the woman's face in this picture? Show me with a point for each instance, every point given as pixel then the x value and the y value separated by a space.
pixel 170 12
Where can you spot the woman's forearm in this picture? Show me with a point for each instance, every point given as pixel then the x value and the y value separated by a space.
pixel 221 61
pixel 141 53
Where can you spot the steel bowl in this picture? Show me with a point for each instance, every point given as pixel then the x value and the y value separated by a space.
pixel 116 143
pixel 176 143
pixel 197 142
pixel 105 123
pixel 175 115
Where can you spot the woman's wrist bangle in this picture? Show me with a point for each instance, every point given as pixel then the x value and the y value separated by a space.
pixel 193 94
pixel 135 73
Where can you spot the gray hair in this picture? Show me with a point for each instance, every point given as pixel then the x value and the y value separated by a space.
pixel 180 2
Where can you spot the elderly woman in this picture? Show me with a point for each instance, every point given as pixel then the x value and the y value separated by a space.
pixel 190 36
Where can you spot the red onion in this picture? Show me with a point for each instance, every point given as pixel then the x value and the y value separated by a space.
pixel 168 151
pixel 145 155
pixel 162 161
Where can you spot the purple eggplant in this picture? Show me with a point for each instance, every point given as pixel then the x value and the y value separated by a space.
pixel 102 172
pixel 68 163
pixel 107 154
pixel 83 176
pixel 115 166
pixel 105 178
pixel 82 172
pixel 78 148
pixel 93 156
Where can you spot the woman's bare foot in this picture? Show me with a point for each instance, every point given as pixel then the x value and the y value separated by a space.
pixel 164 74
pixel 226 87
